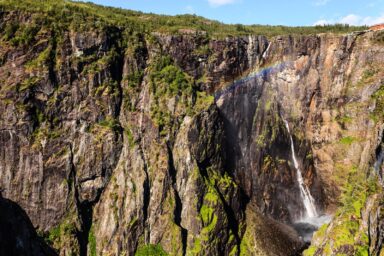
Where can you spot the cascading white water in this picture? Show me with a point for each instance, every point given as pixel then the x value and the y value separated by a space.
pixel 309 203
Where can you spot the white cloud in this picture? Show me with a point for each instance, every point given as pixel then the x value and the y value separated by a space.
pixel 321 2
pixel 216 3
pixel 353 19
pixel 373 20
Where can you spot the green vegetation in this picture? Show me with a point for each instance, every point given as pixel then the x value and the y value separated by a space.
pixel 130 137
pixel 345 119
pixel 203 50
pixel 322 230
pixel 27 84
pixel 167 81
pixel 203 101
pixel 92 242
pixel 135 78
pixel 208 217
pixel 348 140
pixel 175 94
pixel 196 247
pixel 94 65
pixel 248 244
pixel 310 251
pixel 267 161
pixel 379 38
pixel 368 76
pixel 98 64
pixel 222 182
pixel 41 60
pixel 207 213
pixel 108 87
pixel 54 234
pixel 65 231
pixel 151 250
pixel 346 234
pixel 260 140
pixel 110 123
pixel 175 80
pixel 133 222
pixel 234 250
pixel 10 30
pixel 218 187
pixel 368 73
pixel 84 15
pixel 24 35
pixel 378 96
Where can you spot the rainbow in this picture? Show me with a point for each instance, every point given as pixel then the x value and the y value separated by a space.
pixel 253 76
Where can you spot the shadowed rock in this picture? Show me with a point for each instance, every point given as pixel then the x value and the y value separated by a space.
pixel 17 234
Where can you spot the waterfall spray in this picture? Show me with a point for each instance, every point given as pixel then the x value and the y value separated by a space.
pixel 308 201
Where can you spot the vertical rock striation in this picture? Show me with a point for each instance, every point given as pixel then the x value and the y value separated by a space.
pixel 112 139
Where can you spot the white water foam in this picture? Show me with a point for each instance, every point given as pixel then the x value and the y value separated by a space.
pixel 306 227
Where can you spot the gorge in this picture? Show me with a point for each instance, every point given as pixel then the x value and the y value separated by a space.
pixel 124 133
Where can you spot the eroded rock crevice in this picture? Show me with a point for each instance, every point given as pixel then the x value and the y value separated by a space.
pixel 179 204
pixel 115 141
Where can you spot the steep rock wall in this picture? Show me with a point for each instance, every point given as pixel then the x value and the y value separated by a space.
pixel 110 142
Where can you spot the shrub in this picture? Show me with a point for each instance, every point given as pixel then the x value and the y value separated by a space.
pixel 92 242
pixel 151 250
pixel 110 123
pixel 82 16
pixel 378 96
pixel 347 140
pixel 24 35
pixel 10 31
pixel 135 78
pixel 379 38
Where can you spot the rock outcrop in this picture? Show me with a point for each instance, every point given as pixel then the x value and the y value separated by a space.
pixel 113 140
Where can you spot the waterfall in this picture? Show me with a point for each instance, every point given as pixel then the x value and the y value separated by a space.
pixel 308 201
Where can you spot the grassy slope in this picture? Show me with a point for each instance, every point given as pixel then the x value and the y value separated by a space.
pixel 83 14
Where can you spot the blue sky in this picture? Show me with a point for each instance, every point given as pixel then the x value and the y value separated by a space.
pixel 273 12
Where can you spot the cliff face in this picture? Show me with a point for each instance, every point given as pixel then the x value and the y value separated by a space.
pixel 112 141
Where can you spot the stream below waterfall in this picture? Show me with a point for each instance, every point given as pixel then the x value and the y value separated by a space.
pixel 306 227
